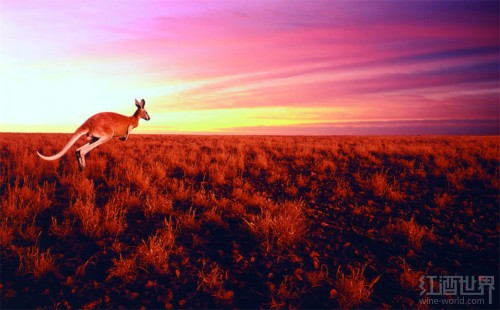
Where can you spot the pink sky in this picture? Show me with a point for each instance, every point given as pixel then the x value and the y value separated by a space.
pixel 263 67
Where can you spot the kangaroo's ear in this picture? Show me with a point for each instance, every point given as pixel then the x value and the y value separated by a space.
pixel 137 104
pixel 143 103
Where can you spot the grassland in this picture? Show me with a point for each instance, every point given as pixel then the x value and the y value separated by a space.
pixel 246 222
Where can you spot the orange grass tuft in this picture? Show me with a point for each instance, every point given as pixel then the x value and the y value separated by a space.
pixel 279 227
pixel 410 279
pixel 212 281
pixel 36 262
pixel 123 268
pixel 409 231
pixel 354 289
pixel 155 251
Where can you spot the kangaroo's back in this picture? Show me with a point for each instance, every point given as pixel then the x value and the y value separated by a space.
pixel 108 123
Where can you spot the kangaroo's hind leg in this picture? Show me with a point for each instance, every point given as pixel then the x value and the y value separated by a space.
pixel 95 142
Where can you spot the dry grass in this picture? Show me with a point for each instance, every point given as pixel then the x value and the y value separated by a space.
pixel 157 205
pixel 26 200
pixel 65 229
pixel 271 215
pixel 156 250
pixel 443 200
pixel 410 279
pixel 412 233
pixel 124 269
pixel 211 281
pixel 214 218
pixel 342 190
pixel 279 227
pixel 82 268
pixel 285 295
pixel 354 289
pixel 95 222
pixel 89 217
pixel 382 186
pixel 36 262
pixel 80 188
pixel 318 277
pixel 113 221
pixel 188 221
pixel 379 183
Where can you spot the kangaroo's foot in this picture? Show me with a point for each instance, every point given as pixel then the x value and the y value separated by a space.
pixel 81 160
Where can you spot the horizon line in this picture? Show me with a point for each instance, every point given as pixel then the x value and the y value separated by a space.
pixel 278 135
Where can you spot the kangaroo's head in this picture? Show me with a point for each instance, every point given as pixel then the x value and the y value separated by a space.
pixel 142 112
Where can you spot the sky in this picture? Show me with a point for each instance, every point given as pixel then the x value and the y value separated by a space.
pixel 253 67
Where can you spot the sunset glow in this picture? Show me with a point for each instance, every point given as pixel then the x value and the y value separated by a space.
pixel 253 67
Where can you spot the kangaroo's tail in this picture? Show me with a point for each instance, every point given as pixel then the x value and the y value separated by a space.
pixel 70 143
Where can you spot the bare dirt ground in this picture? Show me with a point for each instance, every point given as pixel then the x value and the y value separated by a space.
pixel 246 222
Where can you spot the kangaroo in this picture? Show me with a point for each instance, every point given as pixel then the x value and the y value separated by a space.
pixel 101 128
